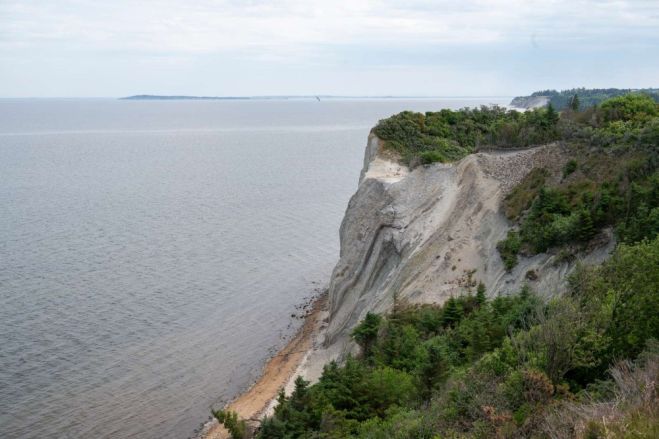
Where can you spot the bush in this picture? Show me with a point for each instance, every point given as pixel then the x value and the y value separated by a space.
pixel 631 107
pixel 237 428
pixel 509 248
pixel 428 157
pixel 522 195
pixel 569 168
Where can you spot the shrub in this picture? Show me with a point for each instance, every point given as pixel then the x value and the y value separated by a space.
pixel 509 248
pixel 428 157
pixel 631 107
pixel 569 167
pixel 522 195
pixel 237 428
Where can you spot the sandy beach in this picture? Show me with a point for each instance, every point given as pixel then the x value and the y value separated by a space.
pixel 278 372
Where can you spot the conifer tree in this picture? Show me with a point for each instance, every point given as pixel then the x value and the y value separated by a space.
pixel 479 341
pixel 366 333
pixel 586 229
pixel 433 371
pixel 551 115
pixel 574 103
pixel 452 312
pixel 480 294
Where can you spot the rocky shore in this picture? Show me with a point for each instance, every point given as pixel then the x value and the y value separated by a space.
pixel 421 235
pixel 278 373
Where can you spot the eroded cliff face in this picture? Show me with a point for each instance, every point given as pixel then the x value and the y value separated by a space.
pixel 530 102
pixel 426 234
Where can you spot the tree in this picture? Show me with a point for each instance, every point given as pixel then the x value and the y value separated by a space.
pixel 479 341
pixel 574 103
pixel 585 228
pixel 452 312
pixel 237 428
pixel 633 278
pixel 434 369
pixel 367 333
pixel 480 294
pixel 551 115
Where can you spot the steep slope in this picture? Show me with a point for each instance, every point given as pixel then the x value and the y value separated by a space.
pixel 529 102
pixel 426 234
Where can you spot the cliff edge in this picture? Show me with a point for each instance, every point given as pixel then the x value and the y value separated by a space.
pixel 417 235
pixel 426 234
pixel 530 102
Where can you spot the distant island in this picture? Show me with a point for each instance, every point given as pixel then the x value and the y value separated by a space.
pixel 177 98
pixel 213 98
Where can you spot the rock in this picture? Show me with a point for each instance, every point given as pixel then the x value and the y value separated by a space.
pixel 399 221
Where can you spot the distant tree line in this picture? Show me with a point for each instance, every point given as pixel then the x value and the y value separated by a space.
pixel 589 97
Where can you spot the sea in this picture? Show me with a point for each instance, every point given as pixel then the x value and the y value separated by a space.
pixel 153 253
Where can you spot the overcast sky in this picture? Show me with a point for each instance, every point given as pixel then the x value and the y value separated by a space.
pixel 340 47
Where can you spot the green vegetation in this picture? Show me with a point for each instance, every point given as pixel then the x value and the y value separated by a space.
pixel 586 98
pixel 236 428
pixel 612 180
pixel 508 367
pixel 509 248
pixel 449 135
pixel 570 167
pixel 582 365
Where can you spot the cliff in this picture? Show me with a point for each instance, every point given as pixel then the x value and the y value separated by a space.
pixel 530 102
pixel 426 234
pixel 429 233
pixel 419 236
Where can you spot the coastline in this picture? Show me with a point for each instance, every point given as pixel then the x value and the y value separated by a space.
pixel 279 371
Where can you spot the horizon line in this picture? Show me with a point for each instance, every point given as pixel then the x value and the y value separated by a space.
pixel 256 97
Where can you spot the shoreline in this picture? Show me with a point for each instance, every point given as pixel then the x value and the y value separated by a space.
pixel 252 404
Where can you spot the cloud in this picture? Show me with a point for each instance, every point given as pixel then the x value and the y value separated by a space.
pixel 282 26
pixel 348 35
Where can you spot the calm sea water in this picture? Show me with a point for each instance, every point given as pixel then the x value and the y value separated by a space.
pixel 152 253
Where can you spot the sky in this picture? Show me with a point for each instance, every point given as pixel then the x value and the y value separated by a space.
pixel 85 48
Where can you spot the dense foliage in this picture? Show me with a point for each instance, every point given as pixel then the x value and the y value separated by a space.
pixel 478 368
pixel 586 98
pixel 449 135
pixel 612 180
